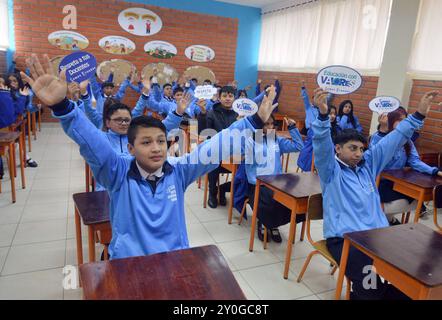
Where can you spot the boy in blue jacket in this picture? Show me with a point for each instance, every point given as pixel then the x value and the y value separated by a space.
pixel 351 201
pixel 147 190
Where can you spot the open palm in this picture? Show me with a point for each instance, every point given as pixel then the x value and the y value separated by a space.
pixel 49 88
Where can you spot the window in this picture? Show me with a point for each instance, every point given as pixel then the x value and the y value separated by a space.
pixel 314 35
pixel 4 25
pixel 426 53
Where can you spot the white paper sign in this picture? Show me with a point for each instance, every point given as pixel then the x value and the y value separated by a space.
pixel 384 104
pixel 245 107
pixel 339 80
pixel 205 92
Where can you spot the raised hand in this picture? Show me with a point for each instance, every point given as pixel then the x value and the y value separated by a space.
pixel 248 87
pixel 73 89
pixel 183 104
pixel 202 103
pixel 426 101
pixel 302 83
pixel 3 86
pixel 289 122
pixel 83 87
pixel 320 100
pixel 259 81
pixel 266 108
pixel 47 87
pixel 146 85
pixel 383 122
pixel 24 92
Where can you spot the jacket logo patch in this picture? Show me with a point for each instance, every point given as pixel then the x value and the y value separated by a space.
pixel 171 193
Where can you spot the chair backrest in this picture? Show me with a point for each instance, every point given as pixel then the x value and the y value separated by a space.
pixel 314 207
pixel 437 196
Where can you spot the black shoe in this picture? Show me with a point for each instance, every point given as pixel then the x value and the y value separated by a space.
pixel 213 203
pixel 222 199
pixel 394 222
pixel 261 232
pixel 31 163
pixel 276 236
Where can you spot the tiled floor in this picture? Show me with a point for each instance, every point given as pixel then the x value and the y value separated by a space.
pixel 37 235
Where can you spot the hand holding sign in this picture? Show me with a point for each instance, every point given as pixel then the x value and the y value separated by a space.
pixel 339 80
pixel 383 122
pixel 49 88
pixel 320 100
pixel 245 107
pixel 205 92
pixel 83 87
pixel 384 104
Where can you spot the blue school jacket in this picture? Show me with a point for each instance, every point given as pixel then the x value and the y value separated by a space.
pixel 351 200
pixel 311 112
pixel 144 221
pixel 267 154
pixel 345 124
pixel 400 159
pixel 7 109
pixel 99 96
pixel 163 105
pixel 306 155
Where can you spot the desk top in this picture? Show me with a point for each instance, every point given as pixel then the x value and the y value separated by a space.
pixel 8 137
pixel 191 274
pixel 425 150
pixel 413 177
pixel 298 185
pixel 93 207
pixel 413 248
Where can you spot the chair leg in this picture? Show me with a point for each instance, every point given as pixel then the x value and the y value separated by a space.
pixel 301 238
pixel 334 270
pixel 199 183
pixel 243 211
pixel 407 218
pixel 265 237
pixel 33 125
pixel 227 178
pixel 403 218
pixel 306 263
pixel 297 169
pixel 287 163
pixel 39 119
pixel 206 185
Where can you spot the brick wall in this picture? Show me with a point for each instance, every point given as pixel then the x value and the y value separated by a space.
pixel 36 19
pixel 291 102
pixel 431 134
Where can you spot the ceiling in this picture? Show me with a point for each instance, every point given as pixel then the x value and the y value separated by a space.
pixel 252 3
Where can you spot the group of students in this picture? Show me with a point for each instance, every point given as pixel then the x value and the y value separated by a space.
pixel 146 188
pixel 16 99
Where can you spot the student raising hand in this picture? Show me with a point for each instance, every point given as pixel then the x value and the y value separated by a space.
pixel 146 85
pixel 383 122
pixel 83 87
pixel 24 92
pixel 426 101
pixel 49 88
pixel 202 103
pixel 266 108
pixel 183 104
pixel 289 122
pixel 320 100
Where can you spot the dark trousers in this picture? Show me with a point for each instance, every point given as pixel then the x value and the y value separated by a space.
pixel 213 180
pixel 356 263
pixel 271 213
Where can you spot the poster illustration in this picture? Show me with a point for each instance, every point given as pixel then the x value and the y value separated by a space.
pixel 68 40
pixel 200 73
pixel 117 45
pixel 165 73
pixel 160 49
pixel 122 70
pixel 199 53
pixel 140 21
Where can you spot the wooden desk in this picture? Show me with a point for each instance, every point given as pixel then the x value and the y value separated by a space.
pixel 93 209
pixel 429 156
pixel 292 190
pixel 8 140
pixel 416 185
pixel 191 274
pixel 408 256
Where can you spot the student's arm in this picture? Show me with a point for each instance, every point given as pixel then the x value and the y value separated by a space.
pixel 96 88
pixel 154 104
pixel 291 145
pixel 343 122
pixel 156 90
pixel 358 125
pixel 140 106
pixel 122 91
pixel 93 114
pixel 278 90
pixel 7 109
pixel 172 121
pixel 202 121
pixel 305 98
pixel 258 87
pixel 111 77
pixel 258 98
pixel 417 164
pixel 137 88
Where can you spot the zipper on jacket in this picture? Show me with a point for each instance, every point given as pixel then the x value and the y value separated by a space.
pixel 121 145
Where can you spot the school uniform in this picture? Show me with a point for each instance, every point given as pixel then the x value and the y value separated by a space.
pixel 399 161
pixel 100 97
pixel 7 109
pixel 351 201
pixel 266 155
pixel 146 218
pixel 160 103
pixel 259 93
pixel 217 119
pixel 344 123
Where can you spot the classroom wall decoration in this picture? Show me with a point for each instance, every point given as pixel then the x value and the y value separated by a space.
pixel 199 53
pixel 117 45
pixel 140 21
pixel 166 73
pixel 200 73
pixel 68 40
pixel 56 62
pixel 122 69
pixel 160 49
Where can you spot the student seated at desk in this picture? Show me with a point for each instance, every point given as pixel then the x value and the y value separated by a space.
pixel 267 154
pixel 346 118
pixel 405 156
pixel 351 201
pixel 147 190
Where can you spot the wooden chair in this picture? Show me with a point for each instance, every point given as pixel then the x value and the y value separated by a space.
pixel 29 130
pixel 315 213
pixel 437 204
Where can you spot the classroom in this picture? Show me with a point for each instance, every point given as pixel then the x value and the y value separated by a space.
pixel 186 150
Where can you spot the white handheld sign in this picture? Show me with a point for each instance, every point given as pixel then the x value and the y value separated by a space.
pixel 339 80
pixel 384 104
pixel 245 107
pixel 205 92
